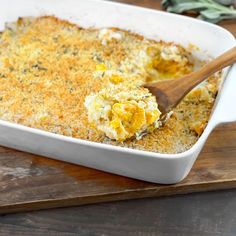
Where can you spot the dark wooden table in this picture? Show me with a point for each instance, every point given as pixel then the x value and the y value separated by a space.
pixel 200 214
pixel 205 214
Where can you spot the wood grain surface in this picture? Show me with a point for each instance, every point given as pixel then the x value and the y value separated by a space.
pixel 198 214
pixel 30 182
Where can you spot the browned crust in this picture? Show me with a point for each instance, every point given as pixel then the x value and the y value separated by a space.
pixel 48 69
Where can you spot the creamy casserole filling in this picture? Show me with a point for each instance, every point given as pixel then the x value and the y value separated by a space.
pixel 123 112
pixel 51 70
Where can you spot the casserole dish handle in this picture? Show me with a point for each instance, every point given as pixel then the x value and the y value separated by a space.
pixel 226 106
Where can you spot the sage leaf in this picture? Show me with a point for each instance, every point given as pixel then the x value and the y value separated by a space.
pixel 208 10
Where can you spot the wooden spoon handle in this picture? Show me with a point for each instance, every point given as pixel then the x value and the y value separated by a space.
pixel 224 60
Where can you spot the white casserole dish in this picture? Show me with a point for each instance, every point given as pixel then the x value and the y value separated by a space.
pixel 149 166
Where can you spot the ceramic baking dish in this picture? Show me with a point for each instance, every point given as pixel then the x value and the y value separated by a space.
pixel 149 166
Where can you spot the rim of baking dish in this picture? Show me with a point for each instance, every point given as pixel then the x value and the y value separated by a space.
pixel 110 147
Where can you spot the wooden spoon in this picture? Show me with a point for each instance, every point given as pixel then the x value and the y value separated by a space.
pixel 170 92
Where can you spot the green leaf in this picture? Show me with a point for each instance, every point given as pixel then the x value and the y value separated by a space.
pixel 210 13
pixel 182 7
pixel 209 10
pixel 167 3
pixel 209 20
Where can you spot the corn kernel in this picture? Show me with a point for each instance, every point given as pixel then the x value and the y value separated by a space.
pixel 116 79
pixel 101 67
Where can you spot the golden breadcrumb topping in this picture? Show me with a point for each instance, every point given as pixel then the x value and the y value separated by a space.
pixel 49 66
pixel 122 112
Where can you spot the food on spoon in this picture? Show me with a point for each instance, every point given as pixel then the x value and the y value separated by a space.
pixel 123 112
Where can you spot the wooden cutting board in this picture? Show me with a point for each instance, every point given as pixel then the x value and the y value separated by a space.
pixel 30 182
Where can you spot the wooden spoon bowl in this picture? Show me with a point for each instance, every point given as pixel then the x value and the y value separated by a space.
pixel 170 92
